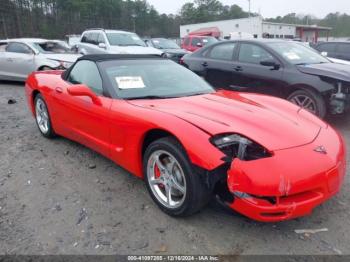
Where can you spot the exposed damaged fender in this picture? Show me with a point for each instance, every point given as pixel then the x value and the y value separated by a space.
pixel 291 182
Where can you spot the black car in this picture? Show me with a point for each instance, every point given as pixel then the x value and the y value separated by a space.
pixel 339 50
pixel 280 68
pixel 169 47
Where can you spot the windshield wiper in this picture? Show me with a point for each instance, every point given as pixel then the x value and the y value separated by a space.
pixel 151 97
pixel 132 45
pixel 303 64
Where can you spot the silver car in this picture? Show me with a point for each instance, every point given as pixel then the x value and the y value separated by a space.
pixel 101 41
pixel 20 57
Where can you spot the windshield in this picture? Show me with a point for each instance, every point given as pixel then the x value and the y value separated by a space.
pixel 209 40
pixel 51 47
pixel 298 54
pixel 124 39
pixel 136 79
pixel 164 44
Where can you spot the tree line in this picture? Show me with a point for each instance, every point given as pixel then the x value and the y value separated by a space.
pixel 57 18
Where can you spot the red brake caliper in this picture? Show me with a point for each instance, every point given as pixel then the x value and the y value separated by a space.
pixel 157 174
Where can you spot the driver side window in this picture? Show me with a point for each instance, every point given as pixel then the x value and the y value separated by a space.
pixel 86 72
pixel 253 54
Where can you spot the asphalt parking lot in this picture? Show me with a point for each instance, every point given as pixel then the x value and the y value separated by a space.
pixel 57 197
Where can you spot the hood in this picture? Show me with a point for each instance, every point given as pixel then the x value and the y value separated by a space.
pixel 71 58
pixel 272 122
pixel 332 70
pixel 175 51
pixel 136 50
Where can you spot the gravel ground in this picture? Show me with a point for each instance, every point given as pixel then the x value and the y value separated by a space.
pixel 58 197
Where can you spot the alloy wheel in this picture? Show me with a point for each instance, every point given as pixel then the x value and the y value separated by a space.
pixel 42 116
pixel 305 102
pixel 166 179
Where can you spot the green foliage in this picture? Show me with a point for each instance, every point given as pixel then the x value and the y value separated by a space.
pixel 339 22
pixel 209 10
pixel 57 18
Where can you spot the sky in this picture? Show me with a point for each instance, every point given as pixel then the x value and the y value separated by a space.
pixel 269 8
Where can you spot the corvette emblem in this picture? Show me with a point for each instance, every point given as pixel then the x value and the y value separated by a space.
pixel 321 150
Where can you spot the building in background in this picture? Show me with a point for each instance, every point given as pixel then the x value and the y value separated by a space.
pixel 255 27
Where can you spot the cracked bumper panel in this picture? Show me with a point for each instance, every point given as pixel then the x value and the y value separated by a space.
pixel 291 183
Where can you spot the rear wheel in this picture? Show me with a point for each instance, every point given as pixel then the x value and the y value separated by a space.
pixel 170 180
pixel 42 117
pixel 310 101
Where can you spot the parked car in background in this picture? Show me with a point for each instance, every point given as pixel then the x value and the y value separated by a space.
pixel 193 43
pixel 72 40
pixel 188 142
pixel 339 50
pixel 20 57
pixel 169 47
pixel 325 54
pixel 281 68
pixel 101 41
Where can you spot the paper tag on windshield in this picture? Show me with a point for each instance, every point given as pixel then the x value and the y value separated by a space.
pixel 130 82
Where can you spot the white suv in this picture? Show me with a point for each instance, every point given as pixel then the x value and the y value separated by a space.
pixel 101 41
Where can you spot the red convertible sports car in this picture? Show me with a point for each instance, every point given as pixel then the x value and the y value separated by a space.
pixel 262 156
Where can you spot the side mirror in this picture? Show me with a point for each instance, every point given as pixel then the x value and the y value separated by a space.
pixel 325 54
pixel 270 63
pixel 199 45
pixel 83 90
pixel 102 45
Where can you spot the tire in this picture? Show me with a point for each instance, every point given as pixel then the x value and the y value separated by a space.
pixel 176 174
pixel 42 117
pixel 305 97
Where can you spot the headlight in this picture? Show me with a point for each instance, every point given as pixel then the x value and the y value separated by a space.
pixel 168 55
pixel 66 64
pixel 238 146
pixel 54 63
pixel 60 64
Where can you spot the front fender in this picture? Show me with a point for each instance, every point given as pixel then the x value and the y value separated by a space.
pixel 131 127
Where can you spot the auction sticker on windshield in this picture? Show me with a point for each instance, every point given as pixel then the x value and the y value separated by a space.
pixel 130 82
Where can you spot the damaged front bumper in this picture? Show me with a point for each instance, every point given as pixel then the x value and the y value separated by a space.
pixel 340 100
pixel 291 183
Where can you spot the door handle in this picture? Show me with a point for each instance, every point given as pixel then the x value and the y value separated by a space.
pixel 59 90
pixel 205 64
pixel 9 60
pixel 238 68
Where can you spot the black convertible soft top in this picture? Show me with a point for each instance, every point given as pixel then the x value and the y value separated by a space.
pixel 104 57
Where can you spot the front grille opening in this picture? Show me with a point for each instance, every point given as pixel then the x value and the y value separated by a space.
pixel 276 214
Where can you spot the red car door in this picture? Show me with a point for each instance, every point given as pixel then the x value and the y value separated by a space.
pixel 79 118
pixel 187 43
